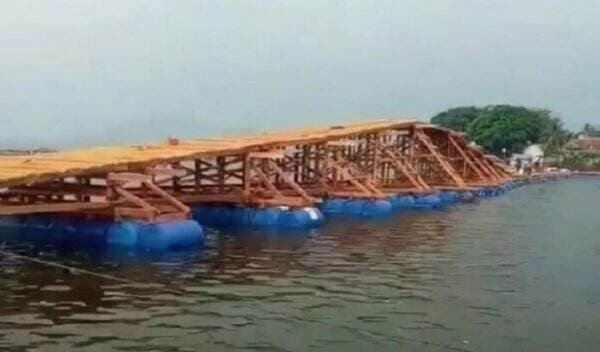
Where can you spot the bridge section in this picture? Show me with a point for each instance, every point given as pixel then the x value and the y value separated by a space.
pixel 154 183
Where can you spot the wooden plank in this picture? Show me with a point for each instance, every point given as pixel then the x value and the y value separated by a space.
pixel 213 198
pixel 170 217
pixel 342 144
pixel 407 190
pixel 126 177
pixel 70 207
pixel 281 200
pixel 134 213
pixel 178 172
pixel 273 154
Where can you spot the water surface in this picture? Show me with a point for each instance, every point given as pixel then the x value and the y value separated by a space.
pixel 514 273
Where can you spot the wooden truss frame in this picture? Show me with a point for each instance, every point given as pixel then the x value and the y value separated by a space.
pixel 413 159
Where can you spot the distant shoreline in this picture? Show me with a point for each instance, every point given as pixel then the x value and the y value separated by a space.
pixel 11 152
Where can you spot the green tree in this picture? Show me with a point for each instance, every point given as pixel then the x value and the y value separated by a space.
pixel 496 127
pixel 554 136
pixel 505 126
pixel 590 130
pixel 456 118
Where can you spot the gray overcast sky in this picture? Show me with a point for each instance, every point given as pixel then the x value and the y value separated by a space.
pixel 83 72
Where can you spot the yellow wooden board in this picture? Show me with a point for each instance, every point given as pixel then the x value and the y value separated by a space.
pixel 30 169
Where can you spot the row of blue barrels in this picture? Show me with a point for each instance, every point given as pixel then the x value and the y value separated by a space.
pixel 279 217
pixel 283 217
pixel 90 233
pixel 485 192
pixel 381 208
pixel 186 233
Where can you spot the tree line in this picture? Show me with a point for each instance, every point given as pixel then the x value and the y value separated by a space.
pixel 590 130
pixel 508 128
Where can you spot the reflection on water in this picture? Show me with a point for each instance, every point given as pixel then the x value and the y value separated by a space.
pixel 519 272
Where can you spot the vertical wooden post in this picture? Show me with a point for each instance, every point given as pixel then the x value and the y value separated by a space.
pixel 175 179
pixel 197 175
pixel 221 173
pixel 248 166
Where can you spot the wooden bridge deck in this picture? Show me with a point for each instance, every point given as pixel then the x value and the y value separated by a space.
pixel 27 169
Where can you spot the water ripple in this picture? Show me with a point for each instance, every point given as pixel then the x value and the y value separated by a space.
pixel 470 278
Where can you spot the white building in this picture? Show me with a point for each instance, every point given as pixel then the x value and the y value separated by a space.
pixel 532 157
pixel 536 153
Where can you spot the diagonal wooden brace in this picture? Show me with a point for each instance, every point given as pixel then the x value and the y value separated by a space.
pixel 169 198
pixel 426 141
pixel 368 191
pixel 406 169
pixel 291 182
pixel 265 180
pixel 466 158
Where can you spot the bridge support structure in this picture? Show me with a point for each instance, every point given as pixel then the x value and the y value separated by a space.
pixel 296 171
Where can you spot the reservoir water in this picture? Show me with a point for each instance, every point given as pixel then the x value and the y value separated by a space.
pixel 520 272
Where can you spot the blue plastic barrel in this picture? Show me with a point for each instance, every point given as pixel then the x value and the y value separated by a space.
pixel 333 206
pixel 90 233
pixel 170 235
pixel 492 191
pixel 213 215
pixel 480 192
pixel 466 197
pixel 220 215
pixel 62 230
pixel 36 228
pixel 449 197
pixel 316 216
pixel 300 218
pixel 11 226
pixel 223 216
pixel 124 234
pixel 498 191
pixel 235 216
pixel 294 219
pixel 402 202
pixel 201 214
pixel 376 208
pixel 428 201
pixel 354 207
pixel 267 217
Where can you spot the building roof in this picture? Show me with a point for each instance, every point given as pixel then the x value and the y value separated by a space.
pixel 585 143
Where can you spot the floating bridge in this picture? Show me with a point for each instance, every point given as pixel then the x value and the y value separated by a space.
pixel 165 183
